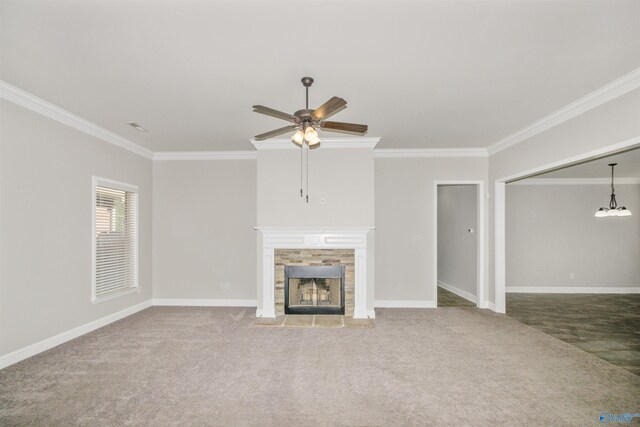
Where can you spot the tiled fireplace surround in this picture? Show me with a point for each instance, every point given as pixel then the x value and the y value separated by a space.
pixel 282 247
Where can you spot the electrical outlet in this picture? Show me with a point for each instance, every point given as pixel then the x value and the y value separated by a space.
pixel 225 285
pixel 572 276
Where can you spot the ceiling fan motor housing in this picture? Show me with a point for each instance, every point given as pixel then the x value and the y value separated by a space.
pixel 304 117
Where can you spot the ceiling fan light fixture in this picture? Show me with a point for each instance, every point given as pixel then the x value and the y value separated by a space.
pixel 311 135
pixel 298 138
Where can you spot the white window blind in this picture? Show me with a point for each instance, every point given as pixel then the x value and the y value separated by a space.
pixel 116 242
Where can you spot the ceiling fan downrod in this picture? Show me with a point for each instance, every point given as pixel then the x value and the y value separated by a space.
pixel 307 82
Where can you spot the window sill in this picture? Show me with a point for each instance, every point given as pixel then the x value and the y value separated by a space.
pixel 131 290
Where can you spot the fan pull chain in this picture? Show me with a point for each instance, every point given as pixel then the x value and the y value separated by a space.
pixel 307 145
pixel 301 148
pixel 613 204
pixel 307 150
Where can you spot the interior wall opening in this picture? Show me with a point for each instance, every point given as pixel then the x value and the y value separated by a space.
pixel 457 263
pixel 569 272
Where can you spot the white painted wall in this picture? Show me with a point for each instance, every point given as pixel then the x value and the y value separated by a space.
pixel 204 242
pixel 457 248
pixel 551 233
pixel 603 128
pixel 342 176
pixel 46 173
pixel 405 222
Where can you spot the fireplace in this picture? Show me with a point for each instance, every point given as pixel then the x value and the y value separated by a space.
pixel 282 247
pixel 314 289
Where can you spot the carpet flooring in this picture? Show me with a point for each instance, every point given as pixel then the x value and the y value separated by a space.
pixel 197 366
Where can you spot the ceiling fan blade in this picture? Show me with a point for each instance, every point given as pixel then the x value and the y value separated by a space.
pixel 329 108
pixel 350 128
pixel 274 113
pixel 276 132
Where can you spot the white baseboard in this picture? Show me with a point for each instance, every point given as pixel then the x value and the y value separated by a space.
pixel 572 290
pixel 486 304
pixel 48 343
pixel 404 304
pixel 266 313
pixel 207 302
pixel 464 294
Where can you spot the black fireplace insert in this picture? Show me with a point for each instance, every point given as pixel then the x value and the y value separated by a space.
pixel 314 289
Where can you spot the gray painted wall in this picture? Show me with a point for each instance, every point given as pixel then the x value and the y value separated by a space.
pixel 46 171
pixel 551 233
pixel 199 205
pixel 204 242
pixel 343 177
pixel 405 222
pixel 457 248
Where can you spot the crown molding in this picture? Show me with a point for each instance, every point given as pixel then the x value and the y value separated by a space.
pixel 429 152
pixel 575 181
pixel 606 93
pixel 205 155
pixel 25 99
pixel 286 144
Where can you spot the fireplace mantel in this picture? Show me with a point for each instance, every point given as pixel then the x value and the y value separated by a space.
pixel 273 238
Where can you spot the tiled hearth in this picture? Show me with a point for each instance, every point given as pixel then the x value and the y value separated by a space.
pixel 317 321
pixel 310 247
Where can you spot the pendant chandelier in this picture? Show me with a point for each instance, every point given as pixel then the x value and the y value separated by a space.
pixel 613 209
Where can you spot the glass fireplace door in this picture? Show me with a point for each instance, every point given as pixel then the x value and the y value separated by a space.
pixel 314 289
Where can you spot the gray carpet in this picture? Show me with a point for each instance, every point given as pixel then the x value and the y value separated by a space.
pixel 211 366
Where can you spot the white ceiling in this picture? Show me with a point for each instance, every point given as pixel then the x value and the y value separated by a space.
pixel 433 74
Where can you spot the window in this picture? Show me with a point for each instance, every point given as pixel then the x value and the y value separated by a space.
pixel 115 238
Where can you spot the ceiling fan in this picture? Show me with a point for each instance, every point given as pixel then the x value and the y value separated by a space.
pixel 307 122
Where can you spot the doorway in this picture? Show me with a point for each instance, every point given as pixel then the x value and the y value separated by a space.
pixel 458 244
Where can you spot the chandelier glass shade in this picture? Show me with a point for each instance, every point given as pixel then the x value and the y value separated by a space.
pixel 613 209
